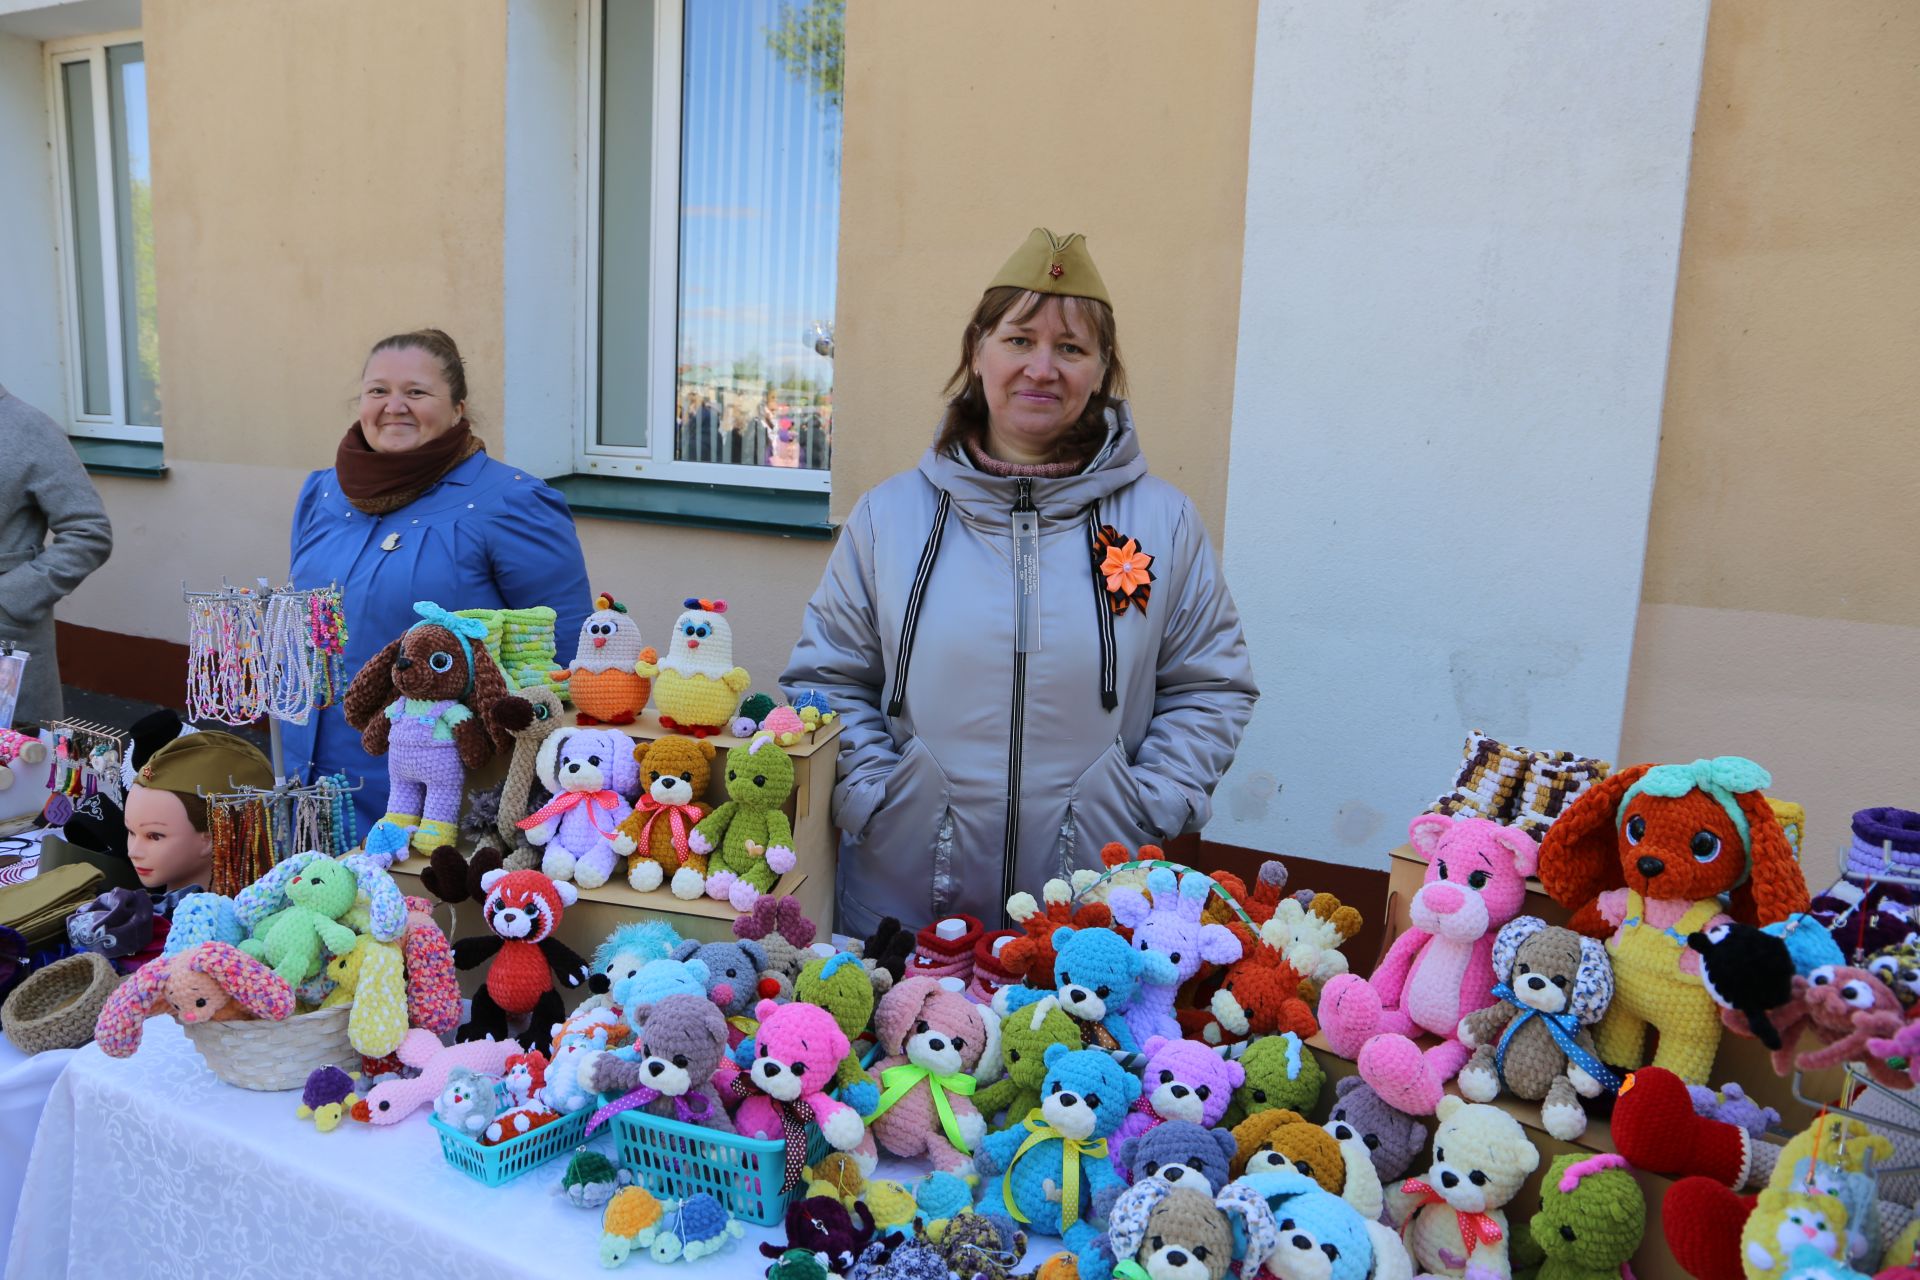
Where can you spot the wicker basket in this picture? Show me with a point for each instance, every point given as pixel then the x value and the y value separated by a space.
pixel 57 1007
pixel 275 1055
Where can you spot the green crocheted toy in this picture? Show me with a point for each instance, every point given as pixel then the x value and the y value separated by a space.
pixel 1025 1035
pixel 748 840
pixel 1591 1220
pixel 845 988
pixel 1281 1073
pixel 296 942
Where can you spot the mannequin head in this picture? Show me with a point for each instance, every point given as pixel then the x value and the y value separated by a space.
pixel 167 850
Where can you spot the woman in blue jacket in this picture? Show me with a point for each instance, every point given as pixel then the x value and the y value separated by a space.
pixel 413 509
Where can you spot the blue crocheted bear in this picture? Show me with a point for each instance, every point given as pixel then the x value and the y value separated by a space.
pixel 1099 976
pixel 1053 1166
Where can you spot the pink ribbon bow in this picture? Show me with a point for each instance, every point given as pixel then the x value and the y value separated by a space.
pixel 1474 1227
pixel 677 816
pixel 566 800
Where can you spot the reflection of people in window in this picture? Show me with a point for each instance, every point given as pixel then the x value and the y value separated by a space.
pixel 783 439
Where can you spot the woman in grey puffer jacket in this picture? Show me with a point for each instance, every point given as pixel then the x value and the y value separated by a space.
pixel 1014 690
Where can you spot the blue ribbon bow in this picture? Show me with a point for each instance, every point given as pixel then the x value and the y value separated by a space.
pixel 1565 1029
pixel 465 630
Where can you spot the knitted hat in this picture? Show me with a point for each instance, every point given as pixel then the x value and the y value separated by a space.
pixel 57 1007
pixel 202 764
pixel 989 972
pixel 1047 263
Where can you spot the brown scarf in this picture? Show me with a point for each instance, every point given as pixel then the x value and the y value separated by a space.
pixel 377 483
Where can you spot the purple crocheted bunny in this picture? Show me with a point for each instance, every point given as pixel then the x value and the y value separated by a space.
pixel 1169 922
pixel 592 774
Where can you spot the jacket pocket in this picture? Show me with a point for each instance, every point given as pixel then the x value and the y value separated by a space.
pixel 906 852
pixel 1103 805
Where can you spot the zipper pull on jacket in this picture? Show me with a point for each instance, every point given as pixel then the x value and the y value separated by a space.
pixel 1026 570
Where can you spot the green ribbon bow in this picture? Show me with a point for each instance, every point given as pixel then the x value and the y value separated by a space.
pixel 899 1082
pixel 1129 1270
pixel 1039 1131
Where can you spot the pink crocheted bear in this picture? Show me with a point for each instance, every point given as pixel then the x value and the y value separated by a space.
pixel 1440 969
pixel 1183 1080
pixel 796 1051
pixel 934 1038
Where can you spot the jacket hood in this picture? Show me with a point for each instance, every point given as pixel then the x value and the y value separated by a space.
pixel 981 496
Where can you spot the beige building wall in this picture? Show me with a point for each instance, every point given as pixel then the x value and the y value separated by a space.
pixel 969 124
pixel 1779 614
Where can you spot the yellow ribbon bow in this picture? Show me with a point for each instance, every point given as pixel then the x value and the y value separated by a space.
pixel 899 1082
pixel 1039 1131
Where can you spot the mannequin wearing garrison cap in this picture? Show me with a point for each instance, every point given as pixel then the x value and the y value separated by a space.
pixel 168 840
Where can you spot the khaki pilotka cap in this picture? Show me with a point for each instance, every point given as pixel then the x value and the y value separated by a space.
pixel 1048 263
pixel 208 763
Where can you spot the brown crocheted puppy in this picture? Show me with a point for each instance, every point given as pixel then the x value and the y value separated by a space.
pixel 1283 1139
pixel 1553 986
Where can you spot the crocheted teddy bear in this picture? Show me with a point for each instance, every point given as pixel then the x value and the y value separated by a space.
pixel 939 1045
pixel 424 702
pixel 1052 1172
pixel 669 1070
pixel 1641 860
pixel 1171 1233
pixel 1591 1219
pixel 1182 1080
pixel 1281 1072
pixel 590 772
pixel 696 686
pixel 1166 920
pixel 748 839
pixel 1392 1139
pixel 1282 1139
pixel 797 1049
pixel 1181 1153
pixel 1440 969
pixel 1099 976
pixel 734 982
pixel 1025 1036
pixel 674 772
pixel 1553 985
pixel 1452 1218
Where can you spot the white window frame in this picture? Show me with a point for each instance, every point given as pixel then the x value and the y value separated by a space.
pixel 663 277
pixel 59 54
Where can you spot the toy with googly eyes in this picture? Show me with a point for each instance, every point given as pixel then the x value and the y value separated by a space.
pixel 696 686
pixel 1847 1008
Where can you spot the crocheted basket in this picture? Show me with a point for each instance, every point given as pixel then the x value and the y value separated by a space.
pixel 57 1007
pixel 270 1056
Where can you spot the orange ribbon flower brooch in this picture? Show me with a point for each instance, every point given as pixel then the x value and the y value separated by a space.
pixel 1124 567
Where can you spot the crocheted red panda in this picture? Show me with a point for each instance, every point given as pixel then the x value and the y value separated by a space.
pixel 522 908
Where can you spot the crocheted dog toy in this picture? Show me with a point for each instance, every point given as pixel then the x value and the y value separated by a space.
pixel 1641 860
pixel 522 911
pixel 1054 1176
pixel 1171 1233
pixel 1591 1219
pixel 1025 1037
pixel 1281 1072
pixel 394 1100
pixel 939 1045
pixel 748 840
pixel 325 1097
pixel 674 772
pixel 1259 995
pixel 602 681
pixel 1099 977
pixel 373 978
pixel 1282 1139
pixel 1553 985
pixel 211 982
pixel 681 1044
pixel 1440 969
pixel 424 703
pixel 1166 919
pixel 590 772
pixel 1029 957
pixel 1181 1153
pixel 298 940
pixel 529 718
pixel 696 686
pixel 1392 1140
pixel 1452 1218
pixel 1748 971
pixel 1182 1080
pixel 796 1050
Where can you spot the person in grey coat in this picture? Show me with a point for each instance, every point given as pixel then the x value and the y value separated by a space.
pixel 43 490
pixel 1027 637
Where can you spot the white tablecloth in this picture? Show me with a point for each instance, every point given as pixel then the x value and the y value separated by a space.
pixel 150 1166
pixel 25 1082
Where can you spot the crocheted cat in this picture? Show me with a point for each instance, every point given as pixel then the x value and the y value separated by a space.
pixel 590 772
pixel 748 839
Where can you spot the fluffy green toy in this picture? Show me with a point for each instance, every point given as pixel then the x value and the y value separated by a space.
pixel 844 987
pixel 748 839
pixel 1025 1035
pixel 1281 1073
pixel 296 942
pixel 1591 1220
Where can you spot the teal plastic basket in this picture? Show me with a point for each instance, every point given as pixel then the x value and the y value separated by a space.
pixel 498 1165
pixel 675 1160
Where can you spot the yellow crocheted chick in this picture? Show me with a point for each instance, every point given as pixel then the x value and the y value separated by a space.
pixel 696 686
pixel 892 1204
